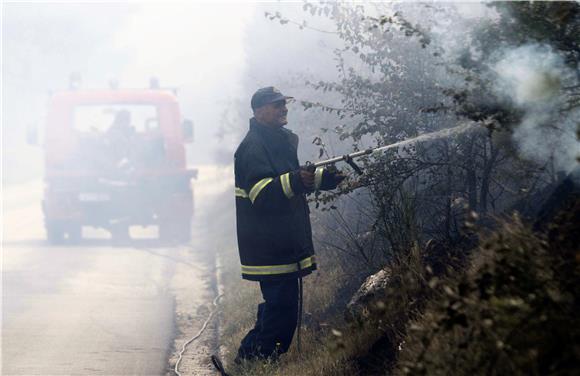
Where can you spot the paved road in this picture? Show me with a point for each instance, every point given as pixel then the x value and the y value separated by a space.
pixel 91 309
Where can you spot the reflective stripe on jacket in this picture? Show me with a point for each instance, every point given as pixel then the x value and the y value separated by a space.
pixel 273 224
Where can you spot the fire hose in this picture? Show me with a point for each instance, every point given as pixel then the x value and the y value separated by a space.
pixel 204 326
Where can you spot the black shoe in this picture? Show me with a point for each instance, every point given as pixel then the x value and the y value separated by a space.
pixel 218 365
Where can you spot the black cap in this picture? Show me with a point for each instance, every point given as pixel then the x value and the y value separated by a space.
pixel 267 95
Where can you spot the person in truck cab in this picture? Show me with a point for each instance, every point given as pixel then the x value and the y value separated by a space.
pixel 119 138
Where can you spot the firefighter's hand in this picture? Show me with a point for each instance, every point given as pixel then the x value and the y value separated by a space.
pixel 338 177
pixel 307 179
pixel 335 175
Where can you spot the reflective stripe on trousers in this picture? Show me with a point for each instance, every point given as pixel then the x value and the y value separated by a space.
pixel 278 269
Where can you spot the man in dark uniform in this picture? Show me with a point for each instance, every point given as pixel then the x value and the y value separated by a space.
pixel 273 224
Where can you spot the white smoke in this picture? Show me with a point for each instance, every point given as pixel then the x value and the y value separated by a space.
pixel 531 75
pixel 532 78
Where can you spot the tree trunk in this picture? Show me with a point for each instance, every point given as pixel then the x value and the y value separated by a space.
pixel 471 177
pixel 486 178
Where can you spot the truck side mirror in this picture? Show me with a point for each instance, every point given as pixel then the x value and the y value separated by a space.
pixel 187 130
pixel 31 134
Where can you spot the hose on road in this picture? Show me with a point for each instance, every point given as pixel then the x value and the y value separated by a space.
pixel 212 313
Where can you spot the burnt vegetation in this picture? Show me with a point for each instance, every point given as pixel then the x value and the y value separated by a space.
pixel 477 240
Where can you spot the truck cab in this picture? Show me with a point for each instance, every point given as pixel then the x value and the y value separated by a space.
pixel 116 158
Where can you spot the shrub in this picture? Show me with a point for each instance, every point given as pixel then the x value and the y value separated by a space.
pixel 511 313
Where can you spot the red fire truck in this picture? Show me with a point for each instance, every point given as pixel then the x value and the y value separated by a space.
pixel 116 158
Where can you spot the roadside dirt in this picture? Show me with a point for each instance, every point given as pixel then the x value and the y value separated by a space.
pixel 196 284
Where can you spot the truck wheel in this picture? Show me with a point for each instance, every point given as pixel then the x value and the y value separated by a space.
pixel 166 233
pixel 175 232
pixel 183 232
pixel 120 234
pixel 74 233
pixel 54 232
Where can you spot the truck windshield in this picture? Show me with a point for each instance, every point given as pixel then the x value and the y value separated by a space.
pixel 99 119
pixel 110 136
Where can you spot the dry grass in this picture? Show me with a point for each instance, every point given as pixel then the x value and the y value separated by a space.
pixel 324 349
pixel 330 345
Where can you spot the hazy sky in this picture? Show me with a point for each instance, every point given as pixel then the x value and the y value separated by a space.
pixel 197 48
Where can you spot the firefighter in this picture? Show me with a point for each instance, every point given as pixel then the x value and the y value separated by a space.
pixel 273 224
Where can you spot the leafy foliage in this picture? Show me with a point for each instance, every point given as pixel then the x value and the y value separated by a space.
pixel 396 81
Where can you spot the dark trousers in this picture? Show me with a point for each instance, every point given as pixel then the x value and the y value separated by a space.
pixel 276 322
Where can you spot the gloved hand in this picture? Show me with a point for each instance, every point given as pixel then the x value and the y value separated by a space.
pixel 307 179
pixel 335 176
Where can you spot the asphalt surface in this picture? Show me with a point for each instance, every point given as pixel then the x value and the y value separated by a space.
pixel 94 308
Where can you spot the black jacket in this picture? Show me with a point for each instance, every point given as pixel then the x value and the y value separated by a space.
pixel 273 224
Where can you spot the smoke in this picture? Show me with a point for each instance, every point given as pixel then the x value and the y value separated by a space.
pixel 531 78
